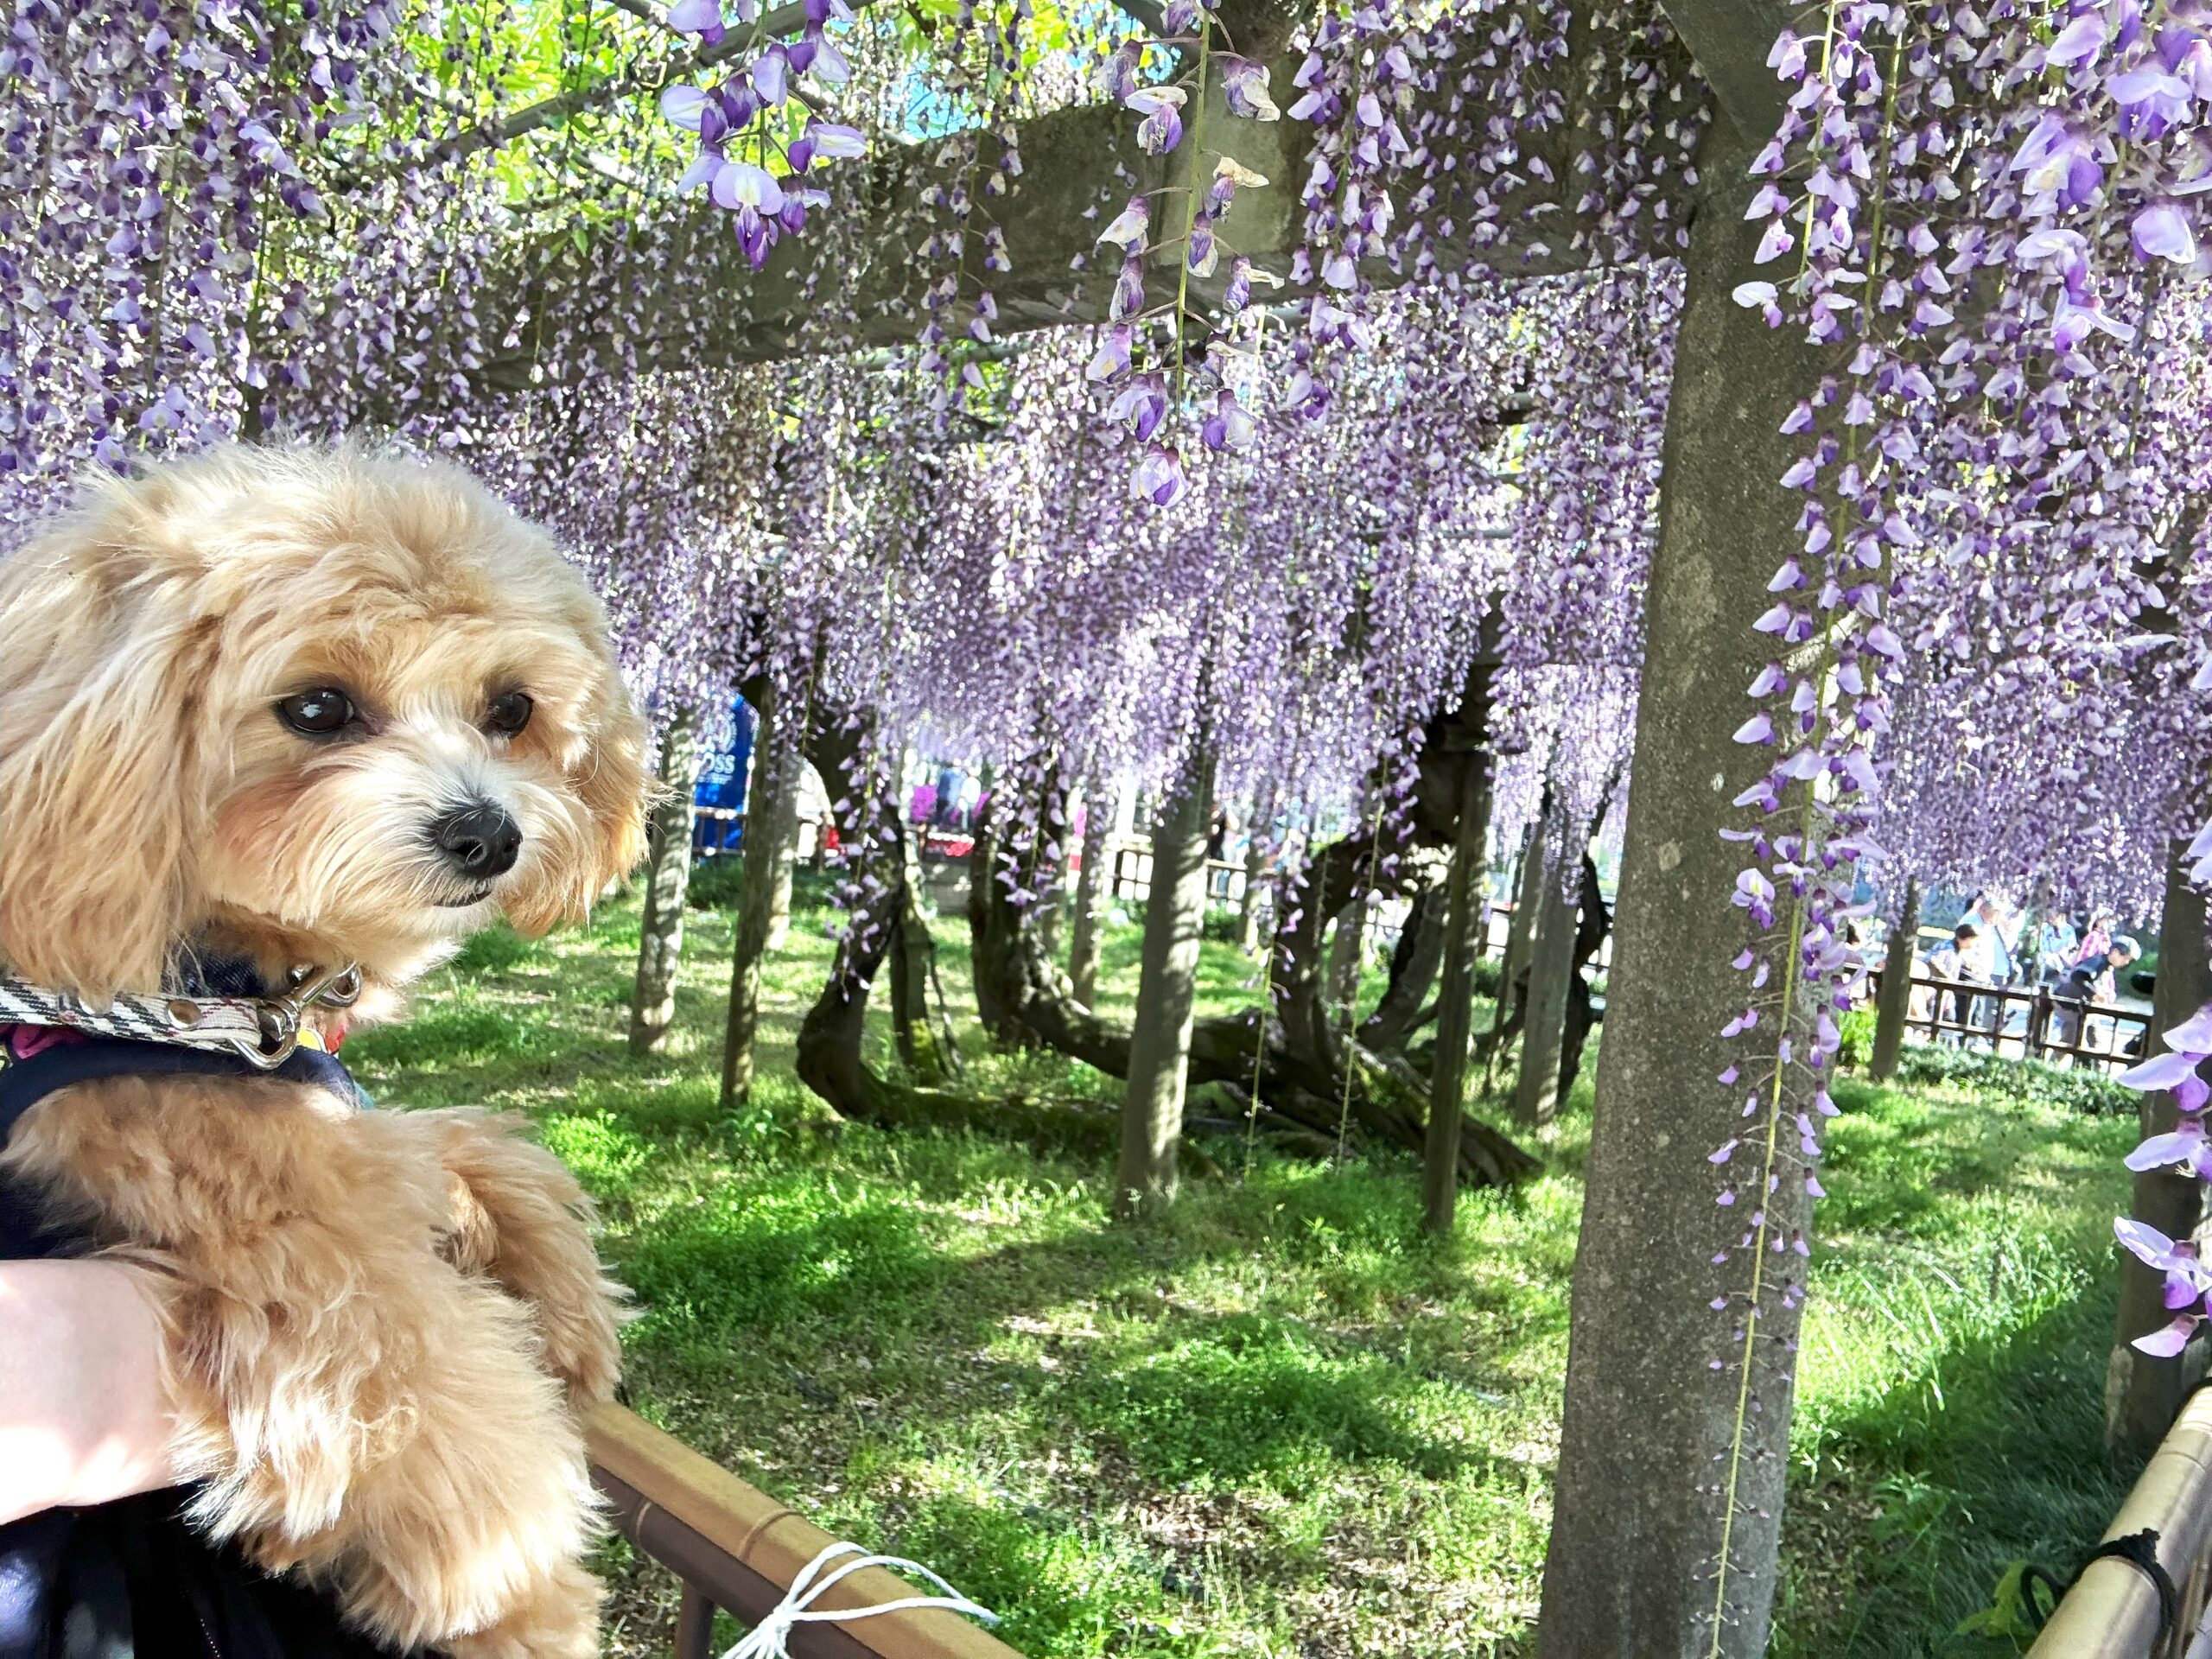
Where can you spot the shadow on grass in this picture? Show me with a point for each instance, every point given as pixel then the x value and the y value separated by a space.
pixel 1910 1164
pixel 1922 1502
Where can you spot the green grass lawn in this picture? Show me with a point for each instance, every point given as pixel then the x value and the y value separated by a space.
pixel 1281 1420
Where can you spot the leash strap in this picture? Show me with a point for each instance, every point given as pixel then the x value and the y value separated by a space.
pixel 265 1030
pixel 767 1639
pixel 2139 1550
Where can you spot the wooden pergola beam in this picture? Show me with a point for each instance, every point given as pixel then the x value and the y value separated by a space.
pixel 699 304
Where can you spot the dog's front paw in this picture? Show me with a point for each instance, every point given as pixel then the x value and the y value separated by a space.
pixel 557 1618
pixel 518 1216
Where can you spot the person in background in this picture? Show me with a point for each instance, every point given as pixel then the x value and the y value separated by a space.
pixel 1996 928
pixel 2096 939
pixel 2094 982
pixel 2056 945
pixel 1952 960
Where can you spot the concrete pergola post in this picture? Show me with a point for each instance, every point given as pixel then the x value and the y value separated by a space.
pixel 1637 1519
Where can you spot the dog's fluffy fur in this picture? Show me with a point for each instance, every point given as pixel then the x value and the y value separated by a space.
pixel 381 1321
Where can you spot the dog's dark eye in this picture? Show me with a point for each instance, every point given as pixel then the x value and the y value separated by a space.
pixel 509 713
pixel 324 712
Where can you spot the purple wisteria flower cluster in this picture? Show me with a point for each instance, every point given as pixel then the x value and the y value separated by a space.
pixel 1982 219
pixel 1181 376
pixel 2186 1149
pixel 762 117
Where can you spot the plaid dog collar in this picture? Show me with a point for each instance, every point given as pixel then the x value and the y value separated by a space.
pixel 265 1030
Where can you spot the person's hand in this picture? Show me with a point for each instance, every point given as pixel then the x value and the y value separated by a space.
pixel 84 1415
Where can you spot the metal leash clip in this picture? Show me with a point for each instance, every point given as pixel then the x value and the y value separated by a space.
pixel 280 1016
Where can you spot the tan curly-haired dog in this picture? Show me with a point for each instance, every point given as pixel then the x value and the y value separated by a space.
pixel 308 708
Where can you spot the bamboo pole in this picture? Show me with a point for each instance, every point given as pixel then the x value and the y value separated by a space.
pixel 743 1525
pixel 2112 1612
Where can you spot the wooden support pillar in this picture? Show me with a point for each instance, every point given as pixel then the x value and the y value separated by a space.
pixel 1159 1040
pixel 770 805
pixel 1895 1001
pixel 1466 889
pixel 1551 960
pixel 2144 1394
pixel 660 946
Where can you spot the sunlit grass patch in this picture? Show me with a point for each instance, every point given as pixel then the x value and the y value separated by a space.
pixel 1280 1419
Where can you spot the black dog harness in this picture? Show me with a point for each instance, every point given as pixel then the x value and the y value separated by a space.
pixel 130 1580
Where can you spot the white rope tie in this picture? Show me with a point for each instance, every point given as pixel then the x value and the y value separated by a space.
pixel 766 1640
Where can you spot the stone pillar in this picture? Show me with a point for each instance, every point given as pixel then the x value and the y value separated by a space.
pixel 1636 1522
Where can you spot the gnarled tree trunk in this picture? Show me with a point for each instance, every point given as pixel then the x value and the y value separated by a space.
pixel 1551 964
pixel 1455 1014
pixel 1592 925
pixel 1301 1068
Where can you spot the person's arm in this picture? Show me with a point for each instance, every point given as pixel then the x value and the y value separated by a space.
pixel 84 1415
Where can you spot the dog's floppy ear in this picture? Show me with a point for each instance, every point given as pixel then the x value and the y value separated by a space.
pixel 606 773
pixel 613 784
pixel 104 782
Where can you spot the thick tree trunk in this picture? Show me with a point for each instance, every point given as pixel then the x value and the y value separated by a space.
pixel 1894 1002
pixel 1455 1001
pixel 2143 1394
pixel 768 806
pixel 1090 883
pixel 660 947
pixel 1551 964
pixel 1637 1527
pixel 1160 1042
pixel 1415 962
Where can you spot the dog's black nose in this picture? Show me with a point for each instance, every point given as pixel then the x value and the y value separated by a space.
pixel 480 840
